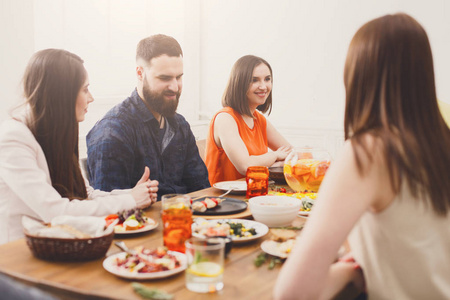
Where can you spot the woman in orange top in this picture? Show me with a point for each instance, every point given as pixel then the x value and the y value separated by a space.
pixel 239 136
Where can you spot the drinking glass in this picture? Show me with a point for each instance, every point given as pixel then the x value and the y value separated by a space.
pixel 205 265
pixel 177 220
pixel 257 179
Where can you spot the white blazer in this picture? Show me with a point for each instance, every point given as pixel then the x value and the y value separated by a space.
pixel 26 189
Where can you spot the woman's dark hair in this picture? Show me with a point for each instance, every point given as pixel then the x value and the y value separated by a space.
pixel 52 81
pixel 391 95
pixel 235 95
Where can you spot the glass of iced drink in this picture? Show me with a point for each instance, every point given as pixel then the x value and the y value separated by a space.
pixel 205 259
pixel 257 179
pixel 177 220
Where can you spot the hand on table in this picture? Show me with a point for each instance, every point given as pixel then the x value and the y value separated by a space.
pixel 282 152
pixel 358 278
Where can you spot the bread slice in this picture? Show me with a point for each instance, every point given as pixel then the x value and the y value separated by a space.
pixel 75 232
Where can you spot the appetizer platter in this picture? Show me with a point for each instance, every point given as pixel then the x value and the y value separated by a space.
pixel 131 222
pixel 213 206
pixel 146 263
pixel 238 229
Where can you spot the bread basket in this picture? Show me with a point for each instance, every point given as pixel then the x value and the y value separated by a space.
pixel 59 249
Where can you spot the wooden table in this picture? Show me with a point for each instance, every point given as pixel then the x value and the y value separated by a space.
pixel 89 280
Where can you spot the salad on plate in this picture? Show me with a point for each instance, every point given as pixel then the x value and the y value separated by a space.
pixel 145 263
pixel 237 229
pixel 131 221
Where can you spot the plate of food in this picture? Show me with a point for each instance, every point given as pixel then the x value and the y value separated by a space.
pixel 131 222
pixel 238 229
pixel 236 187
pixel 214 206
pixel 281 241
pixel 146 263
pixel 280 249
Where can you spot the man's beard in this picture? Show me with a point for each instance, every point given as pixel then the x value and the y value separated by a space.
pixel 157 103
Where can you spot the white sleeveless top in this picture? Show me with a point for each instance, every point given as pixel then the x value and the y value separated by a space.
pixel 404 251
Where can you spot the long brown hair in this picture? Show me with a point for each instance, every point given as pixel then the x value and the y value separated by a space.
pixel 235 95
pixel 52 81
pixel 390 94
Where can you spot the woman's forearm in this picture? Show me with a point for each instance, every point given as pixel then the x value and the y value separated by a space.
pixel 340 274
pixel 266 160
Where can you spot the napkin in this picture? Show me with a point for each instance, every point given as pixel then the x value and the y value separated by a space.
pixel 89 225
pixel 68 227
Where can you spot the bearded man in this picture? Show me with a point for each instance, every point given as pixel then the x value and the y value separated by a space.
pixel 145 130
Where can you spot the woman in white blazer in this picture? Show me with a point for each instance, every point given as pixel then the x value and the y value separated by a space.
pixel 40 174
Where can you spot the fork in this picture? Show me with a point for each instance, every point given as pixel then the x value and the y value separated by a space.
pixel 124 247
pixel 224 194
pixel 227 192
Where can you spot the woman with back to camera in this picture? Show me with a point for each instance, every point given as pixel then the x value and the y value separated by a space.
pixel 389 190
pixel 40 174
pixel 239 136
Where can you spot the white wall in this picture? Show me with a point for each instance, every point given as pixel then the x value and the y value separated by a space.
pixel 304 41
pixel 16 47
pixel 306 44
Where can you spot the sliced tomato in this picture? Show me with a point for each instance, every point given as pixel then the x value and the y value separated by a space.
pixel 113 217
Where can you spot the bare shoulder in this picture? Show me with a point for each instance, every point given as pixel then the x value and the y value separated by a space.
pixel 368 155
pixel 224 116
pixel 367 150
pixel 224 120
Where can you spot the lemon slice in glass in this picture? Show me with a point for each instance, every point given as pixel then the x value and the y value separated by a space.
pixel 178 205
pixel 205 269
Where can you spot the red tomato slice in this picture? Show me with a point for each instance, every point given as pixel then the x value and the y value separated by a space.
pixel 112 217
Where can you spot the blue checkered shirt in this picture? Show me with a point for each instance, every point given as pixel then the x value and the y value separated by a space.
pixel 127 139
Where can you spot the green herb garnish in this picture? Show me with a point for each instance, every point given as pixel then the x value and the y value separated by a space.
pixel 273 262
pixel 289 228
pixel 262 258
pixel 153 294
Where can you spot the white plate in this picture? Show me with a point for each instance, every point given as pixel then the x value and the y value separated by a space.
pixel 271 247
pixel 238 186
pixel 261 229
pixel 110 266
pixel 303 213
pixel 147 227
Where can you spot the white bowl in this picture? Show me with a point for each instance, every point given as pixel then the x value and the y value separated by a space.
pixel 275 211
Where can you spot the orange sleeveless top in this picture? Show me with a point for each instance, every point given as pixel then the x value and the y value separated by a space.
pixel 219 165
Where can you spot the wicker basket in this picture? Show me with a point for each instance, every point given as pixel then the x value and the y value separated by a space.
pixel 55 249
